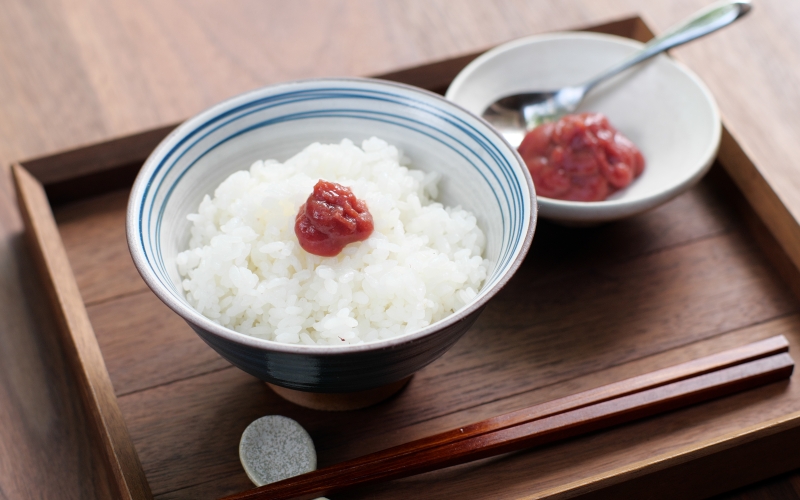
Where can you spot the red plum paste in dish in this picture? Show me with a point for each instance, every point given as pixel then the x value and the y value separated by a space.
pixel 331 218
pixel 580 157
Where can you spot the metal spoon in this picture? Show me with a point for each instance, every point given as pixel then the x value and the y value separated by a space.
pixel 516 114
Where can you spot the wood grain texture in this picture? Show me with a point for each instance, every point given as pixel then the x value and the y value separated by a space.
pixel 685 273
pixel 765 201
pixel 46 449
pixel 102 69
pixel 150 344
pixel 79 341
pixel 208 432
pixel 729 372
pixel 711 239
pixel 93 232
pixel 597 250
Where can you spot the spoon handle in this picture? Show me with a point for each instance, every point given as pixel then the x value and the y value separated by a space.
pixel 706 21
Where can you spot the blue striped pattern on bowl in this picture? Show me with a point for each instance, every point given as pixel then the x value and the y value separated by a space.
pixel 478 149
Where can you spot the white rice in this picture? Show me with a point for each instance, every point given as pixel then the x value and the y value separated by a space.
pixel 245 270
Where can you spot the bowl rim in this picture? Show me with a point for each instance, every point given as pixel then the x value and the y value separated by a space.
pixel 615 208
pixel 195 318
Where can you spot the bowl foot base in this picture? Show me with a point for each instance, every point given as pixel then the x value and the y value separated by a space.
pixel 342 401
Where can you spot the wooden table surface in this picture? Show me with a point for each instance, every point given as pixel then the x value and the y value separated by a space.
pixel 79 71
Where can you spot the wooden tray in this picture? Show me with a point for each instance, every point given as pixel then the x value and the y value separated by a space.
pixel 588 307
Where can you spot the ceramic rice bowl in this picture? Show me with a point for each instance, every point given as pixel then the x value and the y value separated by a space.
pixel 480 172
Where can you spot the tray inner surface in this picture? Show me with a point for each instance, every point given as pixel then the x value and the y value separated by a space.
pixel 589 306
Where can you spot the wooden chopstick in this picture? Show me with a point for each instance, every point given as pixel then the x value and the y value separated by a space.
pixel 663 390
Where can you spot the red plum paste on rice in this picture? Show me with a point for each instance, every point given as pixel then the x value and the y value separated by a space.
pixel 331 218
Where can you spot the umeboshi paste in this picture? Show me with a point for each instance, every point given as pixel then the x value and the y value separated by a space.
pixel 331 218
pixel 580 157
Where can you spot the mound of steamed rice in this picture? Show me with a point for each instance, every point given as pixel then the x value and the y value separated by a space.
pixel 245 270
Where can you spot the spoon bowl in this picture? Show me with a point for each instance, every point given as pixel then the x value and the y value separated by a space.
pixel 516 114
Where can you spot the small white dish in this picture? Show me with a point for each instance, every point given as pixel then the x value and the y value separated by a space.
pixel 660 105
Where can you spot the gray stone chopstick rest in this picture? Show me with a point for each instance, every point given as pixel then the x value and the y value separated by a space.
pixel 273 448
